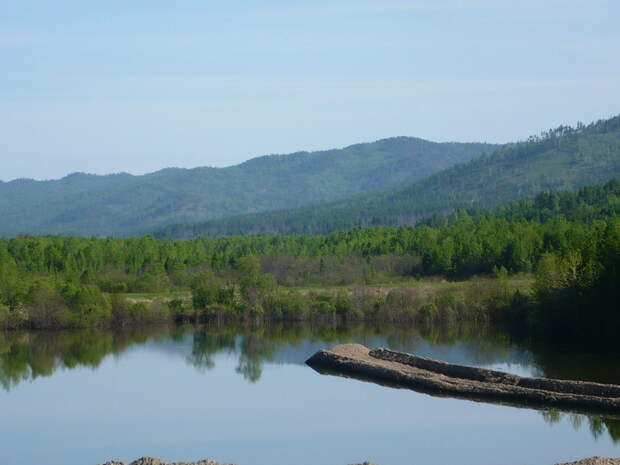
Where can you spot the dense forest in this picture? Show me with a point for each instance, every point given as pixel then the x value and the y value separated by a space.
pixel 125 205
pixel 57 281
pixel 561 159
pixel 586 204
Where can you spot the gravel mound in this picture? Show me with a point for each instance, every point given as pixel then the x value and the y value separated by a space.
pixel 153 461
pixel 595 461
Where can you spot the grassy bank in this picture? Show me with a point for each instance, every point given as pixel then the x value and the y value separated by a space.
pixel 415 301
pixel 256 298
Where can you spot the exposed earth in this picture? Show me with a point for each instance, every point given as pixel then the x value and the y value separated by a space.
pixel 153 461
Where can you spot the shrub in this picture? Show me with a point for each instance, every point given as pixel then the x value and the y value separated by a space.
pixel 428 312
pixel 12 319
pixel 46 307
pixel 4 316
pixel 257 311
pixel 289 306
pixel 324 308
pixel 343 304
pixel 87 304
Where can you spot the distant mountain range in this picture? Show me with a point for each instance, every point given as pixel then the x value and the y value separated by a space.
pixel 389 182
pixel 123 205
pixel 561 159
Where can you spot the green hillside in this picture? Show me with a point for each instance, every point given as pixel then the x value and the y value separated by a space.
pixel 584 205
pixel 561 159
pixel 122 204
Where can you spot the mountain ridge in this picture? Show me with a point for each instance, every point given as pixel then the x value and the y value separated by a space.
pixel 123 204
pixel 74 174
pixel 564 158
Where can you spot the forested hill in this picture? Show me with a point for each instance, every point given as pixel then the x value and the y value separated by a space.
pixel 586 204
pixel 561 159
pixel 122 204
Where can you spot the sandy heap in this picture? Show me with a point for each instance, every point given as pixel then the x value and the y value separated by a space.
pixel 153 461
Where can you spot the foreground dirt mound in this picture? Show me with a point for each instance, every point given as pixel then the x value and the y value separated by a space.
pixel 595 461
pixel 154 461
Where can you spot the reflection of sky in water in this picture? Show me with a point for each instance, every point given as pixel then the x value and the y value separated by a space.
pixel 147 402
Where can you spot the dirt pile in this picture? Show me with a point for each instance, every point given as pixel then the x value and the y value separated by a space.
pixel 154 461
pixel 595 461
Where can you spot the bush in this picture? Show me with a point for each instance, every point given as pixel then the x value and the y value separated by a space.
pixel 324 307
pixel 114 287
pixel 428 312
pixel 12 319
pixel 207 290
pixel 217 311
pixel 343 304
pixel 397 305
pixel 46 307
pixel 88 306
pixel 288 306
pixel 257 311
pixel 125 312
pixel 4 316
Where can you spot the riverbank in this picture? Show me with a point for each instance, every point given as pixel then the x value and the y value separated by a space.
pixel 429 300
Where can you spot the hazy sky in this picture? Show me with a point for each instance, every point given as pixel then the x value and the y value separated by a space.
pixel 140 85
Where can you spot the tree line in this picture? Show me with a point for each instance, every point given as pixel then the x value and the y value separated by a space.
pixel 58 281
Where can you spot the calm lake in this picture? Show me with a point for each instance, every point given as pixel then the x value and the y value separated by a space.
pixel 245 396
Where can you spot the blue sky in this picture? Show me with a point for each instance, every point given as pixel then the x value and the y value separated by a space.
pixel 137 86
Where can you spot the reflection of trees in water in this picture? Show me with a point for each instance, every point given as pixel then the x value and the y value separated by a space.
pixel 254 351
pixel 257 345
pixel 25 355
pixel 596 424
pixel 477 343
pixel 29 355
pixel 575 363
pixel 205 345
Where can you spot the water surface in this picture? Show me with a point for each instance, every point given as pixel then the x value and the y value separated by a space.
pixel 244 396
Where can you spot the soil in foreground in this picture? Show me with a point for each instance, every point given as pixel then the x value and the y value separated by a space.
pixel 153 461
